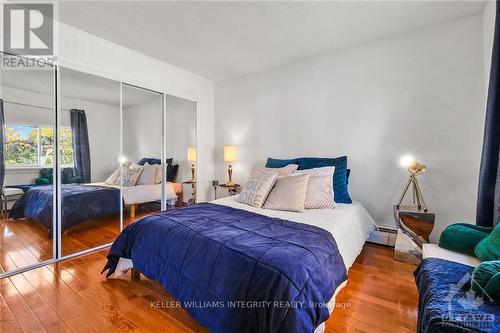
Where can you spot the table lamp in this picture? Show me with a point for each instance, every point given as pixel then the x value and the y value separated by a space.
pixel 415 169
pixel 230 157
pixel 192 158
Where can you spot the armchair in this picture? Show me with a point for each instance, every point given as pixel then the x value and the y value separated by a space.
pixel 67 176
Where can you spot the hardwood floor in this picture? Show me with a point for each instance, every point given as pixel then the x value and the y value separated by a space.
pixel 23 242
pixel 71 296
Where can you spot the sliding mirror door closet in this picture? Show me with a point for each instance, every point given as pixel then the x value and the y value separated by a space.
pixel 27 167
pixel 84 156
pixel 89 150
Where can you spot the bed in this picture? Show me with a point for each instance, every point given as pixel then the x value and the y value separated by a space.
pixel 211 255
pixel 82 202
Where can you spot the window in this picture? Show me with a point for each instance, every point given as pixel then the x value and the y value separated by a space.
pixel 33 146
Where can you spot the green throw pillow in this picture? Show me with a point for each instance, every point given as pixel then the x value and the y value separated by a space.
pixel 489 248
pixel 486 280
pixel 463 237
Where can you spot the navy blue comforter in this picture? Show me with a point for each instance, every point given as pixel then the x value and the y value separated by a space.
pixel 444 304
pixel 236 271
pixel 79 203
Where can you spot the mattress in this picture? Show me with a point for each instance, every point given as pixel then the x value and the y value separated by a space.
pixel 350 224
pixel 146 193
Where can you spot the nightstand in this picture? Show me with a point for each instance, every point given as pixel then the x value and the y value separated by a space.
pixel 414 229
pixel 231 189
pixel 191 200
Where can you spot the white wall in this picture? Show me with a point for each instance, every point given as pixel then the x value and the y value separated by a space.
pixel 488 34
pixel 181 134
pixel 420 93
pixel 143 133
pixel 142 128
pixel 103 124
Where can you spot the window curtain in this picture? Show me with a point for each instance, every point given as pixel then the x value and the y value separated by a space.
pixel 2 146
pixel 488 199
pixel 81 148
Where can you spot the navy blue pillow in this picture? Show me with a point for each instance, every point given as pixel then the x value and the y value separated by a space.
pixel 340 177
pixel 275 163
pixel 152 161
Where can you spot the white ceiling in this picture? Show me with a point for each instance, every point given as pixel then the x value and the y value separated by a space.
pixel 223 40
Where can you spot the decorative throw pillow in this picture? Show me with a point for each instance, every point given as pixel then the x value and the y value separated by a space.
pixel 257 188
pixel 158 173
pixel 289 193
pixel 486 280
pixel 113 178
pixel 320 193
pixel 283 171
pixel 463 237
pixel 489 248
pixel 172 172
pixel 148 175
pixel 129 177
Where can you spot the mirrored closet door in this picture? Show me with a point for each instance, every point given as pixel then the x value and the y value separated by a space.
pixel 180 146
pixel 144 166
pixel 89 147
pixel 27 122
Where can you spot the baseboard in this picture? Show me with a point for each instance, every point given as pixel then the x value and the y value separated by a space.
pixel 384 235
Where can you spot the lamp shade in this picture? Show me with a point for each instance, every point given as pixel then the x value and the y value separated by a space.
pixel 191 154
pixel 229 153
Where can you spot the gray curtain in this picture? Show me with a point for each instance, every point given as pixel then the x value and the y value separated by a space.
pixel 488 198
pixel 81 147
pixel 2 145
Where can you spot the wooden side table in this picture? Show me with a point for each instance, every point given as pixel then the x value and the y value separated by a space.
pixel 414 229
pixel 191 200
pixel 232 189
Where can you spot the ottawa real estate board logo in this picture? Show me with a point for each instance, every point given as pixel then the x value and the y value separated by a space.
pixel 28 35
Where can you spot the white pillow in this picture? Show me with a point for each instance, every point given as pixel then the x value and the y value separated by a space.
pixel 320 192
pixel 148 175
pixel 158 173
pixel 113 178
pixel 129 176
pixel 284 171
pixel 329 170
pixel 289 193
pixel 257 188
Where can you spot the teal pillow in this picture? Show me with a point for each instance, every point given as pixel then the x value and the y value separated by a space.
pixel 489 248
pixel 462 237
pixel 486 280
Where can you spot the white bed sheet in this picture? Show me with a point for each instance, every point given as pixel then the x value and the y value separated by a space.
pixel 143 193
pixel 350 224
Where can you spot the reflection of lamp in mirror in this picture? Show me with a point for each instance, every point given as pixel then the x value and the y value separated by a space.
pixel 230 157
pixel 192 158
pixel 122 160
pixel 414 168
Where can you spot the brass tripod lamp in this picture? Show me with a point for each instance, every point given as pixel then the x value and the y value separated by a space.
pixel 415 169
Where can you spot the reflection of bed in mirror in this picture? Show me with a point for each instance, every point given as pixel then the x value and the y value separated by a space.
pixel 83 202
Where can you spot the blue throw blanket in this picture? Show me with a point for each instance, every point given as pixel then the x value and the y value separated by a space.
pixel 445 306
pixel 79 203
pixel 236 271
